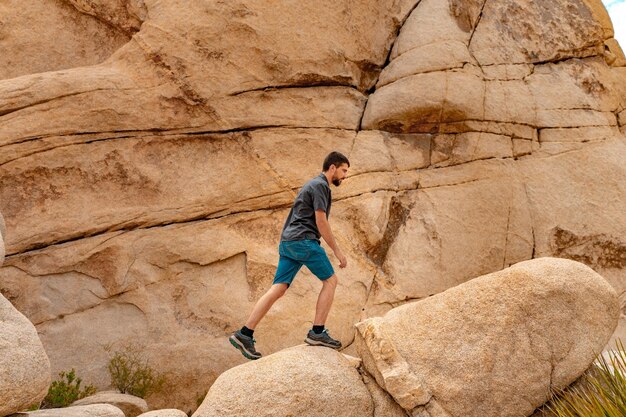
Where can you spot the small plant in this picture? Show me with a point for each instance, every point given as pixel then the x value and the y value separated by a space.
pixel 66 390
pixel 131 373
pixel 601 393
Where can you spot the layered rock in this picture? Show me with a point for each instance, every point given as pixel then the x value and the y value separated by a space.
pixel 303 380
pixel 66 37
pixel 497 345
pixel 130 405
pixel 24 366
pixel 151 187
pixel 95 410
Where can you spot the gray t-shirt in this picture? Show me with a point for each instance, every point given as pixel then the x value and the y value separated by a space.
pixel 314 195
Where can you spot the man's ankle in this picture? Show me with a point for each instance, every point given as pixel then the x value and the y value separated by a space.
pixel 247 332
pixel 318 329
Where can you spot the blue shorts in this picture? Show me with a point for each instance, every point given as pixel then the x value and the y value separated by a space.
pixel 295 253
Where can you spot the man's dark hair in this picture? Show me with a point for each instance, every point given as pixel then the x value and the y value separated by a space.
pixel 336 159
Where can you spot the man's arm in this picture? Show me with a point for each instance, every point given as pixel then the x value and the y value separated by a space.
pixel 324 227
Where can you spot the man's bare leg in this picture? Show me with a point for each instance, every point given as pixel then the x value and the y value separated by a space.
pixel 265 303
pixel 325 300
pixel 242 339
pixel 318 336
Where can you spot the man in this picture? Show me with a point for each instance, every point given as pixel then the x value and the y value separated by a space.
pixel 300 245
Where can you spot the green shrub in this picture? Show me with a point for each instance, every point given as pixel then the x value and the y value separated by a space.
pixel 131 373
pixel 66 390
pixel 601 393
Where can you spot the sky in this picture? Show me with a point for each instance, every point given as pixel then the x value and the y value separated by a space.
pixel 617 11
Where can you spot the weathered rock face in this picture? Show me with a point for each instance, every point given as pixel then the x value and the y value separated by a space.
pixel 66 36
pixel 150 188
pixel 24 366
pixel 130 405
pixel 3 231
pixel 494 346
pixel 300 381
pixel 95 410
pixel 168 412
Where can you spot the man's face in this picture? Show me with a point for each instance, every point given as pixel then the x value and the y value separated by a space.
pixel 340 174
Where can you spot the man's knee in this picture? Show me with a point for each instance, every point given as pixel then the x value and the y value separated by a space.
pixel 278 290
pixel 332 281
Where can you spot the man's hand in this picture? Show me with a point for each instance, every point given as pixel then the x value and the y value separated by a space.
pixel 343 262
pixel 324 227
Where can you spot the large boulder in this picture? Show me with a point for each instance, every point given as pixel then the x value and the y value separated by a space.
pixel 24 365
pixel 94 410
pixel 494 346
pixel 300 381
pixel 131 406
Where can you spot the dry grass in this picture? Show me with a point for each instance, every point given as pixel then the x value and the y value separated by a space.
pixel 601 393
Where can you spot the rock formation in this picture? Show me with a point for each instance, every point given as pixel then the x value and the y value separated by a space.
pixel 168 412
pixel 2 234
pixel 145 174
pixel 492 347
pixel 24 366
pixel 299 381
pixel 130 405
pixel 95 410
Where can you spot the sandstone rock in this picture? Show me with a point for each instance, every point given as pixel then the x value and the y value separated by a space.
pixel 127 15
pixel 613 54
pixel 3 227
pixel 431 23
pixel 290 382
pixel 1 249
pixel 65 37
pixel 578 134
pixel 384 405
pixel 204 67
pixel 131 406
pixel 94 410
pixel 574 84
pixel 431 57
pixel 152 186
pixel 24 366
pixel 518 32
pixel 3 232
pixel 444 97
pixel 514 334
pixel 170 412
pixel 171 296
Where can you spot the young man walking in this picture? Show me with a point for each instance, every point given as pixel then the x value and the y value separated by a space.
pixel 300 245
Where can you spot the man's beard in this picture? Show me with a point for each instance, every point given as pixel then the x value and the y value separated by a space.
pixel 336 182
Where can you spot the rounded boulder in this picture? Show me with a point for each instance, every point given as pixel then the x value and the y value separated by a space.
pixel 299 381
pixel 24 365
pixel 494 346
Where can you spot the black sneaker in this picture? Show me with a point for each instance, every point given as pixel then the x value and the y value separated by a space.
pixel 245 344
pixel 322 339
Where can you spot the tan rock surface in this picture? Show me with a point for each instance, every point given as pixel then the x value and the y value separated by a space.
pixel 509 338
pixel 527 31
pixel 2 234
pixel 65 37
pixel 152 186
pixel 300 381
pixel 94 410
pixel 131 406
pixel 24 366
pixel 169 412
pixel 384 404
pixel 205 67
